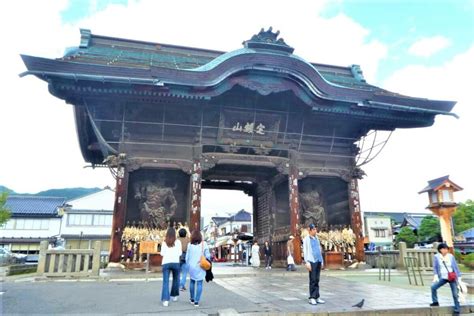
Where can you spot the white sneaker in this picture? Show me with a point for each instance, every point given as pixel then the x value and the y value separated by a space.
pixel 165 303
pixel 320 301
pixel 174 298
pixel 270 268
pixel 312 301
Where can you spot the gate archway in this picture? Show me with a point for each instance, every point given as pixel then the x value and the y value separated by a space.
pixel 169 120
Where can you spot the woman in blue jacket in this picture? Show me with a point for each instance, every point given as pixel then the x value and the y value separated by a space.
pixel 444 263
pixel 196 249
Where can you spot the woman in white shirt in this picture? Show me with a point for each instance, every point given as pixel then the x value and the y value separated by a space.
pixel 170 251
pixel 255 260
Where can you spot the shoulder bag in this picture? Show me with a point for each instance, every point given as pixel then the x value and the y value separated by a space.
pixel 204 263
pixel 451 275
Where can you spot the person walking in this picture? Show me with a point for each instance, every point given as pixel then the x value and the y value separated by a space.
pixel 170 251
pixel 184 267
pixel 255 255
pixel 196 249
pixel 445 270
pixel 267 249
pixel 291 254
pixel 314 263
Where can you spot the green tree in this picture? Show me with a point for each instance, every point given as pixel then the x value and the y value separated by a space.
pixel 429 228
pixel 4 212
pixel 406 235
pixel 463 217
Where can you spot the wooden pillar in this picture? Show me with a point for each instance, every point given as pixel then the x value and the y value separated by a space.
pixel 195 216
pixel 445 216
pixel 120 208
pixel 294 211
pixel 356 218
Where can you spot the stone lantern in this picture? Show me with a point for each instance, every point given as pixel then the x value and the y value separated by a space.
pixel 440 193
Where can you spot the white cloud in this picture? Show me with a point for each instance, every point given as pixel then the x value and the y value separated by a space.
pixel 414 156
pixel 429 46
pixel 40 141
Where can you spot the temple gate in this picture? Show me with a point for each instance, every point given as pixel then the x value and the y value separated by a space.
pixel 171 120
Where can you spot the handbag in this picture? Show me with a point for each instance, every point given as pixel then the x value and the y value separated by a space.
pixel 204 263
pixel 451 275
pixel 291 260
pixel 462 290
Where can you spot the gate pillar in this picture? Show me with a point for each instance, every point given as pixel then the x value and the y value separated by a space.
pixel 294 211
pixel 195 216
pixel 356 218
pixel 120 208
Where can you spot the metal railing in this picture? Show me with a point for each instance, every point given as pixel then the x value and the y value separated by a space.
pixel 385 264
pixel 413 266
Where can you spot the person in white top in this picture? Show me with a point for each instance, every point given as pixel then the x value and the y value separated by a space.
pixel 170 251
pixel 255 260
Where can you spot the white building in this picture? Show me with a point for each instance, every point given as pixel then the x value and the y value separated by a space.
pixel 87 219
pixel 379 230
pixel 239 222
pixel 33 219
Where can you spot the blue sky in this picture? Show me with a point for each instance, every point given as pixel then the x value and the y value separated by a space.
pixel 401 23
pixel 398 24
pixel 418 48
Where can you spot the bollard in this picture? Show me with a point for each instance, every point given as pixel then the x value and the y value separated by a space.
pixel 96 258
pixel 42 257
pixel 402 248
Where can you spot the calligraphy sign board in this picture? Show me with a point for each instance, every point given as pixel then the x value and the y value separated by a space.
pixel 150 247
pixel 248 128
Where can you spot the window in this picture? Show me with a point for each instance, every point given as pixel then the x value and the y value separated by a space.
pixel 102 220
pixel 20 223
pixel 9 225
pixel 446 196
pixel 45 224
pixel 79 220
pixel 27 224
pixel 89 220
pixel 434 197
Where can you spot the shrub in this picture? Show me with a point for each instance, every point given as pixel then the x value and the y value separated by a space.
pixel 468 260
pixel 458 256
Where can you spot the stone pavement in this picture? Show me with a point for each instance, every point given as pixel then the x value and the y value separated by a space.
pixel 234 290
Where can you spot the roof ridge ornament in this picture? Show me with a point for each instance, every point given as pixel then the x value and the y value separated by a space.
pixel 268 40
pixel 85 38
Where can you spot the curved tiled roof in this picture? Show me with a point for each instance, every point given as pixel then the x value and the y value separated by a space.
pixel 110 51
pixel 31 206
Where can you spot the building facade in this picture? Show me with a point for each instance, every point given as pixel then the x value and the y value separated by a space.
pixel 33 219
pixel 87 219
pixel 379 230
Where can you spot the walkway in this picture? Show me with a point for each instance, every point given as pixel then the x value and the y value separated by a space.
pixel 235 289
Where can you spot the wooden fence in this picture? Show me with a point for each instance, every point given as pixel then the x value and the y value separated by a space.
pixel 70 262
pixel 424 257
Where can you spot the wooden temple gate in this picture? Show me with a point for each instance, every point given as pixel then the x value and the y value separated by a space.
pixel 170 120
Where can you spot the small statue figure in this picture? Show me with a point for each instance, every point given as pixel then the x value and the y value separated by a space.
pixel 311 207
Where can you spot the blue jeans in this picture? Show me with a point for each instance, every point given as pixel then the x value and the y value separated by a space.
pixel 165 291
pixel 184 274
pixel 454 292
pixel 197 297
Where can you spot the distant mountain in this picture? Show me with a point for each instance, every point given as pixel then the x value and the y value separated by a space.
pixel 5 189
pixel 68 193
